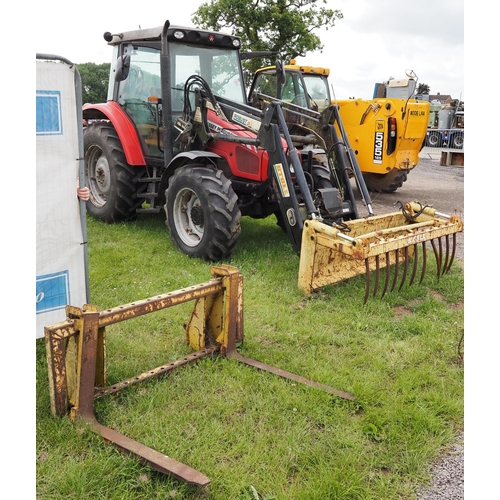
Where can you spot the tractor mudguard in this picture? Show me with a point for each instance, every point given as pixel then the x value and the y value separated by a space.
pixel 124 128
pixel 182 159
pixel 333 254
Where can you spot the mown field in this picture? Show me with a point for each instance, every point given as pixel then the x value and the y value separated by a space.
pixel 254 434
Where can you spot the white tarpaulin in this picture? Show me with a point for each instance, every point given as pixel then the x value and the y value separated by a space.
pixel 61 274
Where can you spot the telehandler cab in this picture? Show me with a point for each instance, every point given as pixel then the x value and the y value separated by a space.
pixel 177 133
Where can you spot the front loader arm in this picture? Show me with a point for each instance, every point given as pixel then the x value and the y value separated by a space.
pixel 331 250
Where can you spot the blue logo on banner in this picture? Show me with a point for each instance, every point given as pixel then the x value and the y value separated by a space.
pixel 48 112
pixel 52 291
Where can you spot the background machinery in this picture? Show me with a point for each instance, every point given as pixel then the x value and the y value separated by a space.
pixel 386 133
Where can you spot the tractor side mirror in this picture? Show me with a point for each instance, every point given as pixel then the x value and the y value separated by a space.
pixel 280 77
pixel 122 68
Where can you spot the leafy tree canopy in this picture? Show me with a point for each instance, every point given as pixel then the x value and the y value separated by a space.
pixel 283 26
pixel 95 78
pixel 423 88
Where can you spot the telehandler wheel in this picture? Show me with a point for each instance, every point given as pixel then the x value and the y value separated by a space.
pixel 202 210
pixel 111 180
pixel 385 183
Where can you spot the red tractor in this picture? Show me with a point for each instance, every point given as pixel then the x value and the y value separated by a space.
pixel 177 133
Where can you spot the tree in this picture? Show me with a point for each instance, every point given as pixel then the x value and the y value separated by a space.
pixel 423 89
pixel 95 78
pixel 282 26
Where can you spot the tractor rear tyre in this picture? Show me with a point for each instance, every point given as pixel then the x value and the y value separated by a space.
pixel 385 183
pixel 202 210
pixel 111 180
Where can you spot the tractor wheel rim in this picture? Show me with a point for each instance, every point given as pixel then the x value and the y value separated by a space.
pixel 99 177
pixel 188 217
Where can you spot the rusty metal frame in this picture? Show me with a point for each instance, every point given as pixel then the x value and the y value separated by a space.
pixel 76 357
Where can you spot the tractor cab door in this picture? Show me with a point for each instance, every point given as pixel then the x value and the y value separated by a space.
pixel 134 92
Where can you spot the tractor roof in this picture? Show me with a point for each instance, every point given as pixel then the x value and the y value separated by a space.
pixel 191 35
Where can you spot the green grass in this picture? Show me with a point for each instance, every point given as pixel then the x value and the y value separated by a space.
pixel 256 435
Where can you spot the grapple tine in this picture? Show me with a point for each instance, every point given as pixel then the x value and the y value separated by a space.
pixel 447 253
pixel 453 249
pixel 405 269
pixel 387 272
pixel 367 274
pixel 440 246
pixel 377 274
pixel 438 258
pixel 415 263
pixel 424 262
pixel 396 271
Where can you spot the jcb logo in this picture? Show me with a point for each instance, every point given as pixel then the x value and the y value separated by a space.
pixel 380 125
pixel 378 147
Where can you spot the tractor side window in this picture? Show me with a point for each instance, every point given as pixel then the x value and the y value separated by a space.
pixel 144 78
pixel 143 81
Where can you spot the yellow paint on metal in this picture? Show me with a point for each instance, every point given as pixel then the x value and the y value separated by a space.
pixel 330 255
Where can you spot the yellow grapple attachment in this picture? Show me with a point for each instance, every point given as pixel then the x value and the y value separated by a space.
pixel 332 254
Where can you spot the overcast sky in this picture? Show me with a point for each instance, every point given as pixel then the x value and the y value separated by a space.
pixel 374 41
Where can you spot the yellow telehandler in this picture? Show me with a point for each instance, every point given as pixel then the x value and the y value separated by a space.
pixel 386 132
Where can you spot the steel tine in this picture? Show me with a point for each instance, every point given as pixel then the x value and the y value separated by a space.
pixel 387 272
pixel 415 263
pixel 367 274
pixel 424 261
pixel 438 258
pixel 453 249
pixel 440 246
pixel 405 269
pixel 377 274
pixel 447 254
pixel 396 271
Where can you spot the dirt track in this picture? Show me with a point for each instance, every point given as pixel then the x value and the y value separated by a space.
pixel 430 184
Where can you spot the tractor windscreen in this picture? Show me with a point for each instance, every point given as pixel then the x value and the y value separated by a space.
pixel 219 67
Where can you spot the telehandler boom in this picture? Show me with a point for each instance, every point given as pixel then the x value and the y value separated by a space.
pixel 177 132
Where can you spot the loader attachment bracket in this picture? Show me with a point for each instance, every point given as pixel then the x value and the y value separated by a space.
pixel 76 357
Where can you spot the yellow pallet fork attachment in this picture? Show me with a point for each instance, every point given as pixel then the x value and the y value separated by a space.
pixel 76 357
pixel 333 254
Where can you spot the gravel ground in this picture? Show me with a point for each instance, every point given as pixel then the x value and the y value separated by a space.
pixel 447 476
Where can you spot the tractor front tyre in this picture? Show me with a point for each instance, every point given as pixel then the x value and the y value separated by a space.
pixel 111 180
pixel 385 183
pixel 202 210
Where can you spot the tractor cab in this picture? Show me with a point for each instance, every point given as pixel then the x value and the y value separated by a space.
pixel 136 78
